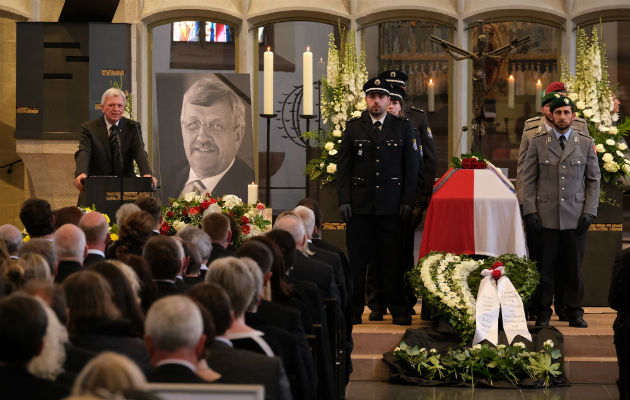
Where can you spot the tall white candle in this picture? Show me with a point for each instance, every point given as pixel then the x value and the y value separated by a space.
pixel 268 82
pixel 511 91
pixel 252 193
pixel 431 97
pixel 538 94
pixel 307 82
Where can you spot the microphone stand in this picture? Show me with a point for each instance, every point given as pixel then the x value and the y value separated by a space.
pixel 119 161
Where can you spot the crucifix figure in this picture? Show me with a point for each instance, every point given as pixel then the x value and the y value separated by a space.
pixel 479 60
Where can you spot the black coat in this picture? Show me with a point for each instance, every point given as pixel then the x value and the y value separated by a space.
pixel 112 335
pixel 174 373
pixel 167 288
pixel 94 155
pixel 18 384
pixel 377 173
pixel 218 251
pixel 312 270
pixel 92 258
pixel 244 367
pixel 423 136
pixel 65 269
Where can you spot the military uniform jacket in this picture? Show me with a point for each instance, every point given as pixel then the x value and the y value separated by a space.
pixel 422 133
pixel 376 174
pixel 536 126
pixel 560 185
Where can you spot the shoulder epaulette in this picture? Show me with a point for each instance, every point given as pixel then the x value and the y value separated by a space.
pixel 579 132
pixel 539 134
pixel 580 120
pixel 533 119
pixel 416 109
pixel 354 119
pixel 401 118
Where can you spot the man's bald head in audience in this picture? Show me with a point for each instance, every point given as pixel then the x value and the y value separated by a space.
pixel 94 226
pixel 69 242
pixel 12 238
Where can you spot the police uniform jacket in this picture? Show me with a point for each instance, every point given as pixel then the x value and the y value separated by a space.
pixel 428 153
pixel 536 126
pixel 376 173
pixel 560 185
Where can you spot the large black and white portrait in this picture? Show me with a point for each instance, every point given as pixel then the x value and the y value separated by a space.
pixel 204 132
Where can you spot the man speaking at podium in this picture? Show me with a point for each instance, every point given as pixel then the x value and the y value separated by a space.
pixel 104 141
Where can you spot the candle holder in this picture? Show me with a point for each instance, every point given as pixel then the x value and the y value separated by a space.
pixel 269 117
pixel 307 146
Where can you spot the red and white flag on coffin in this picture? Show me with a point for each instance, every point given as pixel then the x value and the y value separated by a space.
pixel 473 211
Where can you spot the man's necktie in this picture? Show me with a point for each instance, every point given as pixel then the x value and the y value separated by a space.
pixel 562 139
pixel 115 151
pixel 377 127
pixel 194 186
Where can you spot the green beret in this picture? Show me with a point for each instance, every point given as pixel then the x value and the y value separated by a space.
pixel 561 102
pixel 548 98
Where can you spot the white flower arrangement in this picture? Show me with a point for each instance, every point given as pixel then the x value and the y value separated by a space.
pixel 232 201
pixel 342 98
pixel 591 92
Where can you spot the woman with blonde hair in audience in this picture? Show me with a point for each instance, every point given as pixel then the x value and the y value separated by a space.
pixel 35 267
pixel 94 321
pixel 109 373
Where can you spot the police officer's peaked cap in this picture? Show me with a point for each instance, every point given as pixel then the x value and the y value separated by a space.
pixel 549 97
pixel 377 85
pixel 397 92
pixel 561 102
pixel 394 77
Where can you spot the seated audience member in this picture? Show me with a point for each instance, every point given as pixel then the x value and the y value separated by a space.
pixel 122 295
pixel 71 250
pixel 12 238
pixel 192 270
pixel 23 325
pixel 66 215
pixel 306 296
pixel 35 268
pixel 109 374
pixel 94 226
pixel 37 218
pixel 235 228
pixel 94 321
pixel 130 275
pixel 204 245
pixel 134 231
pixel 153 206
pixel 184 254
pixel 217 226
pixel 234 277
pixel 165 261
pixel 49 363
pixel 175 340
pixel 43 247
pixel 124 210
pixel 148 290
pixel 238 366
pixel 12 276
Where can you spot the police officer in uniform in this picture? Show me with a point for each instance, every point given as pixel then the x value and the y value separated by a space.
pixel 376 184
pixel 560 193
pixel 535 126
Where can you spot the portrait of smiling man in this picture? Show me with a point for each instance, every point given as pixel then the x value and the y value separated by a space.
pixel 215 126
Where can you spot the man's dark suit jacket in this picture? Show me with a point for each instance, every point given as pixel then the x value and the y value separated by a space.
pixel 65 269
pixel 18 384
pixel 282 316
pixel 167 288
pixel 312 270
pixel 93 259
pixel 234 181
pixel 174 373
pixel 94 156
pixel 218 251
pixel 334 261
pixel 245 367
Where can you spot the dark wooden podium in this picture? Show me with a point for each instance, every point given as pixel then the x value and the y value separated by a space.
pixel 105 192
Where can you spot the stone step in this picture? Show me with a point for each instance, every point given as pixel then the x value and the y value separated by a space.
pixel 601 370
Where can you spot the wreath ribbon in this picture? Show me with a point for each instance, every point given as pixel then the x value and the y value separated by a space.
pixel 497 293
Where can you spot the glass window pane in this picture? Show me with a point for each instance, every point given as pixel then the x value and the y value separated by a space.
pixel 528 64
pixel 186 31
pixel 405 46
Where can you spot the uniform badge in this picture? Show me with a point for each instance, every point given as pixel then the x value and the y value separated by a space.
pixel 377 82
pixel 359 152
pixel 429 133
pixel 415 145
pixel 576 139
pixel 566 101
pixel 392 74
pixel 548 139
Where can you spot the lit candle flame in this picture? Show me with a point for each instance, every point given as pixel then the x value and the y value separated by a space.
pixel 268 48
pixel 538 83
pixel 512 77
pixel 430 81
pixel 308 48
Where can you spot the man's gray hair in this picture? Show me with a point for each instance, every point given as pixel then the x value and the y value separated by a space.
pixel 174 322
pixel 199 238
pixel 12 238
pixel 112 92
pixel 69 242
pixel 257 277
pixel 210 90
pixel 44 248
pixel 292 224
pixel 125 210
pixel 308 218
